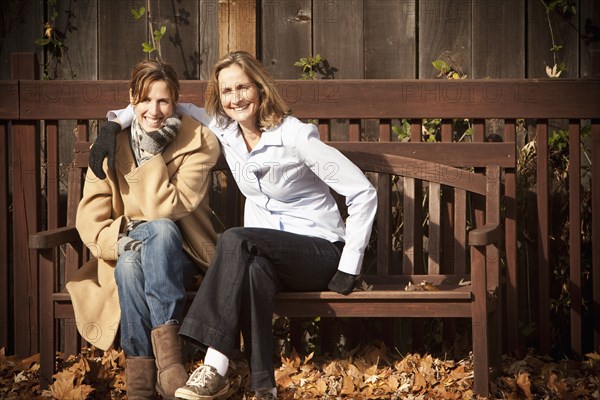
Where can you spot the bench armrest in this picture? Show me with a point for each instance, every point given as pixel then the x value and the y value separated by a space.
pixel 53 237
pixel 487 234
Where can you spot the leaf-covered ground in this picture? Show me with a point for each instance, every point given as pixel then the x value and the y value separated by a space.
pixel 371 372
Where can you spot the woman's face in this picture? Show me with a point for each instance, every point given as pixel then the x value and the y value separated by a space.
pixel 239 96
pixel 157 106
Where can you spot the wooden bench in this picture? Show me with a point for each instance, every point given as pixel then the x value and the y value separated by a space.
pixel 457 294
pixel 451 241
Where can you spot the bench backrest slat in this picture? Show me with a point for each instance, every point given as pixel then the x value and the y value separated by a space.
pixel 460 230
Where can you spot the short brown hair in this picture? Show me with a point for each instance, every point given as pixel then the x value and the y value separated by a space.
pixel 149 71
pixel 272 109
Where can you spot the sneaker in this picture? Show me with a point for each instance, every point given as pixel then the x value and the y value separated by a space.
pixel 204 384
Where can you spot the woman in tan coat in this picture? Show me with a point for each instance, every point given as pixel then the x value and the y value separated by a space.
pixel 148 225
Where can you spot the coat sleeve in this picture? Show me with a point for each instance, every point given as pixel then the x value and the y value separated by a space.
pixel 95 222
pixel 161 196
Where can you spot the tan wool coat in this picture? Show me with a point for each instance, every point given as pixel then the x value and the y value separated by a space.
pixel 172 185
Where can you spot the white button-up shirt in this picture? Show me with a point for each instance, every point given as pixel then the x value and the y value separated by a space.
pixel 286 180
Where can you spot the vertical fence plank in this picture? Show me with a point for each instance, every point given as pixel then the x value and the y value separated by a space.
pixel 539 41
pixel 4 238
pixel 493 42
pixel 286 36
pixel 81 61
pixel 9 109
pixel 338 35
pixel 179 46
pixel 26 210
pixel 510 245
pixel 543 236
pixel 390 39
pixel 237 26
pixel 116 57
pixel 575 281
pixel 596 230
pixel 22 25
pixel 390 43
pixel 209 37
pixel 589 56
pixel 444 34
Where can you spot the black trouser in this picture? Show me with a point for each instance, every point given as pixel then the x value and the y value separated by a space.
pixel 238 292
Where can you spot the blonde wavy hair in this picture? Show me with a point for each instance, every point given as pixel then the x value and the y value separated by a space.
pixel 272 109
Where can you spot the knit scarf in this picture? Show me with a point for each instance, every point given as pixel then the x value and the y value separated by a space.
pixel 146 145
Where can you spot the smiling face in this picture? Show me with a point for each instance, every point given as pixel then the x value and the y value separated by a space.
pixel 155 107
pixel 239 96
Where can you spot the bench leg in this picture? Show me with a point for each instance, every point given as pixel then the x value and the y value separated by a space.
pixel 47 339
pixel 479 321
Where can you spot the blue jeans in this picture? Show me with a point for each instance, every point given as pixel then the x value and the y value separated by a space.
pixel 152 284
pixel 238 292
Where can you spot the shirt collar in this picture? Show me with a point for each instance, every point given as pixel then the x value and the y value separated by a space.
pixel 231 134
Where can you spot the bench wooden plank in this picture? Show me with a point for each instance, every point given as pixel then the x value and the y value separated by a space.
pixel 460 231
pixel 424 98
pixel 384 308
pixel 434 244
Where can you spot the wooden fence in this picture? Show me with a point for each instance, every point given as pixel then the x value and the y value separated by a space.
pixel 370 39
pixel 31 167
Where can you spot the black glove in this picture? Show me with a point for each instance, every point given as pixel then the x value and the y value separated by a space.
pixel 104 147
pixel 342 282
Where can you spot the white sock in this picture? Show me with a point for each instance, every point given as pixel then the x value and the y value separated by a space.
pixel 273 391
pixel 218 360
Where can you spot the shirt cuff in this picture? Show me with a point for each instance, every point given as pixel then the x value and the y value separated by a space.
pixel 350 261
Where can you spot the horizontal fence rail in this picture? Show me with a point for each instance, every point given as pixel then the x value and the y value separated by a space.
pixel 36 115
pixel 485 98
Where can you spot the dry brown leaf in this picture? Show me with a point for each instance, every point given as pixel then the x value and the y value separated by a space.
pixel 308 358
pixel 348 385
pixel 558 386
pixel 424 286
pixel 524 384
pixel 419 382
pixel 364 286
pixel 371 372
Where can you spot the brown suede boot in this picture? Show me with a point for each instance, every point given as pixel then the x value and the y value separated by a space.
pixel 140 378
pixel 168 350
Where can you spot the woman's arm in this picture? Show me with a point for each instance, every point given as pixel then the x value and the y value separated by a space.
pixel 98 229
pixel 339 173
pixel 105 144
pixel 125 116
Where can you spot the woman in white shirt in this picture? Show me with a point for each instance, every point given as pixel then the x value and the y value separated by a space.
pixel 293 237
